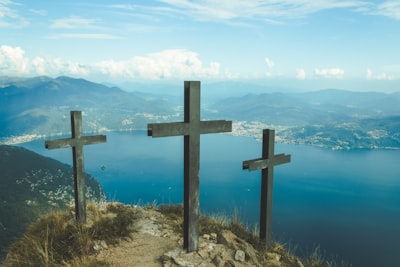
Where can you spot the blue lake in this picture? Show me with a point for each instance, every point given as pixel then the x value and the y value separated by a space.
pixel 347 202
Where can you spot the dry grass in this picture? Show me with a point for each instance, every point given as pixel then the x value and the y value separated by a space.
pixel 58 240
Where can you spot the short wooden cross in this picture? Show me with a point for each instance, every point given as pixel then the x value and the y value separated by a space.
pixel 77 142
pixel 190 128
pixel 266 165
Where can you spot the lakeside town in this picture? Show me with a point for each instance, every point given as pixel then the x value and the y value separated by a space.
pixel 343 136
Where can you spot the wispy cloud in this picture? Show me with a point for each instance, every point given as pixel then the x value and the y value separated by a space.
pixel 146 12
pixel 9 17
pixel 269 63
pixel 84 36
pixel 389 9
pixel 40 12
pixel 258 9
pixel 73 22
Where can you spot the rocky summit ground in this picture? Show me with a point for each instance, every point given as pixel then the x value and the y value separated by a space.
pixel 157 241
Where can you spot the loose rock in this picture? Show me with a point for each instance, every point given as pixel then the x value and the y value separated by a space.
pixel 240 255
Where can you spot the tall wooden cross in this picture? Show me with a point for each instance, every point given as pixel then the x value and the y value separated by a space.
pixel 190 128
pixel 266 164
pixel 77 142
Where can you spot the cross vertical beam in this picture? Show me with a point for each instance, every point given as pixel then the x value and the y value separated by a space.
pixel 190 128
pixel 191 167
pixel 266 164
pixel 77 142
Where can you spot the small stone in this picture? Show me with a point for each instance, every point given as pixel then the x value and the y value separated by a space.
pixel 203 253
pixel 103 244
pixel 99 245
pixel 274 256
pixel 165 258
pixel 240 255
pixel 228 238
pixel 206 237
pixel 165 234
pixel 127 239
pixel 213 237
pixel 230 263
pixel 172 253
pixel 218 261
pixel 181 262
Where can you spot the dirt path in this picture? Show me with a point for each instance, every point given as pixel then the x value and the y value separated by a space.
pixel 150 241
pixel 143 250
pixel 154 243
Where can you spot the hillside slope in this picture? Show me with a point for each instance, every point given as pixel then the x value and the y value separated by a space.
pixel 31 185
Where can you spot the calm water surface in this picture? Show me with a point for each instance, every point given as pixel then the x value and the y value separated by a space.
pixel 347 202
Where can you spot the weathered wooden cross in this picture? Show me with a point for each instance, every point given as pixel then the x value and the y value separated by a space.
pixel 77 142
pixel 191 129
pixel 266 163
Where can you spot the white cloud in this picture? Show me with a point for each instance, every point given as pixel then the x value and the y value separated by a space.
pixel 269 62
pixel 73 22
pixel 369 74
pixel 57 66
pixel 40 65
pixel 334 73
pixel 167 64
pixel 173 63
pixel 301 74
pixel 12 60
pixel 381 76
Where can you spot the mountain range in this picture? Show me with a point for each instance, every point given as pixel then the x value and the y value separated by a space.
pixel 39 106
pixel 298 109
pixel 331 118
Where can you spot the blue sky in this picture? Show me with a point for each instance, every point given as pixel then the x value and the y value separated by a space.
pixel 301 44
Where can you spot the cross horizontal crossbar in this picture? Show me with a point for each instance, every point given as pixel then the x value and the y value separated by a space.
pixel 73 142
pixel 260 163
pixel 77 142
pixel 183 128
